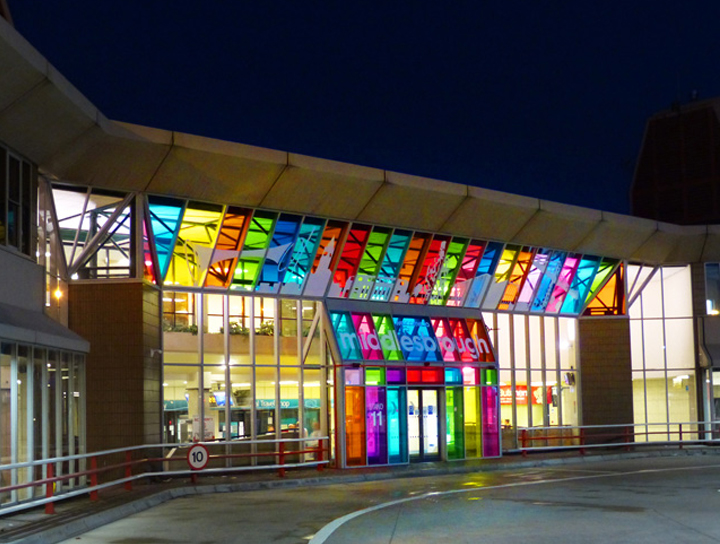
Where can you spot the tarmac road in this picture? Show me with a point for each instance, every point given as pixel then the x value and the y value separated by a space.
pixel 658 500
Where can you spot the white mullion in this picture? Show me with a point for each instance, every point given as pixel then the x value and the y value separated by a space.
pixel 664 353
pixel 30 409
pixel 253 381
pixel 82 416
pixel 71 416
pixel 300 373
pixel 45 411
pixel 13 419
pixel 58 415
pixel 558 369
pixel 200 313
pixel 228 379
pixel 276 349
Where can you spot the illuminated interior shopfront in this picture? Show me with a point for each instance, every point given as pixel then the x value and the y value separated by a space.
pixel 415 387
pixel 259 285
pixel 256 303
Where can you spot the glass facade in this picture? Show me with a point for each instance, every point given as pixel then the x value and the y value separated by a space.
pixel 539 372
pixel 42 413
pixel 416 388
pixel 259 364
pixel 196 245
pixel 226 270
pixel 663 351
pixel 257 342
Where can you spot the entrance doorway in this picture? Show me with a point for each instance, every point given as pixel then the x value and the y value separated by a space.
pixel 423 424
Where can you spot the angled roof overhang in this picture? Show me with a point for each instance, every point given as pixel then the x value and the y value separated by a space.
pixel 34 327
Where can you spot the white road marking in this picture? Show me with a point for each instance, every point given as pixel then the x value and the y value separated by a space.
pixel 323 534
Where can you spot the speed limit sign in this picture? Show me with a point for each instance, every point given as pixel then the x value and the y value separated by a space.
pixel 197 457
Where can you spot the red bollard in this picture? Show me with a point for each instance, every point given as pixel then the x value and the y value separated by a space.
pixel 49 507
pixel 128 470
pixel 523 442
pixel 627 439
pixel 93 479
pixel 582 441
pixel 319 455
pixel 281 459
pixel 681 437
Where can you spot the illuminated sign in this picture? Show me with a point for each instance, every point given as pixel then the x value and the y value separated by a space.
pixel 363 336
pixel 521 395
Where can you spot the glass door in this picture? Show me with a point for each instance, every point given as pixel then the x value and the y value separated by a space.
pixel 423 424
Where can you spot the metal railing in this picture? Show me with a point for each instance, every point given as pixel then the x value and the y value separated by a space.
pixel 123 466
pixel 51 480
pixel 629 436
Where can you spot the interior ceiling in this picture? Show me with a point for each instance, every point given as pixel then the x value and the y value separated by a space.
pixel 44 118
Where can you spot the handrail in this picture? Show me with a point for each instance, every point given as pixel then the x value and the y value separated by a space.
pixel 308 457
pixel 706 432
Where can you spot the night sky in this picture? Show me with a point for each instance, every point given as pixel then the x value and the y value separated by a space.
pixel 546 99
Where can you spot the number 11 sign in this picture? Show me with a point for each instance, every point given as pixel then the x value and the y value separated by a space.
pixel 197 457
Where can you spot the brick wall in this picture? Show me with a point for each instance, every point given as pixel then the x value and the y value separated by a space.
pixel 122 323
pixel 606 387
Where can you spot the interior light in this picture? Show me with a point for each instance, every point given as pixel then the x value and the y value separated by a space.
pixel 571 330
pixel 165 385
pixel 58 293
pixel 74 276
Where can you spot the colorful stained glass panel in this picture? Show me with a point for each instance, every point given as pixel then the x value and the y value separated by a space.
pixel 449 271
pixel 390 267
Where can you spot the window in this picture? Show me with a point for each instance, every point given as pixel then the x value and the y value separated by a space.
pixel 663 354
pixel 712 288
pixel 18 203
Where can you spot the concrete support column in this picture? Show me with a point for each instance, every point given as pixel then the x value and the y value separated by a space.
pixel 121 320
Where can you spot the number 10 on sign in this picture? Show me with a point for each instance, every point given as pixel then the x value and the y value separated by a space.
pixel 197 457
